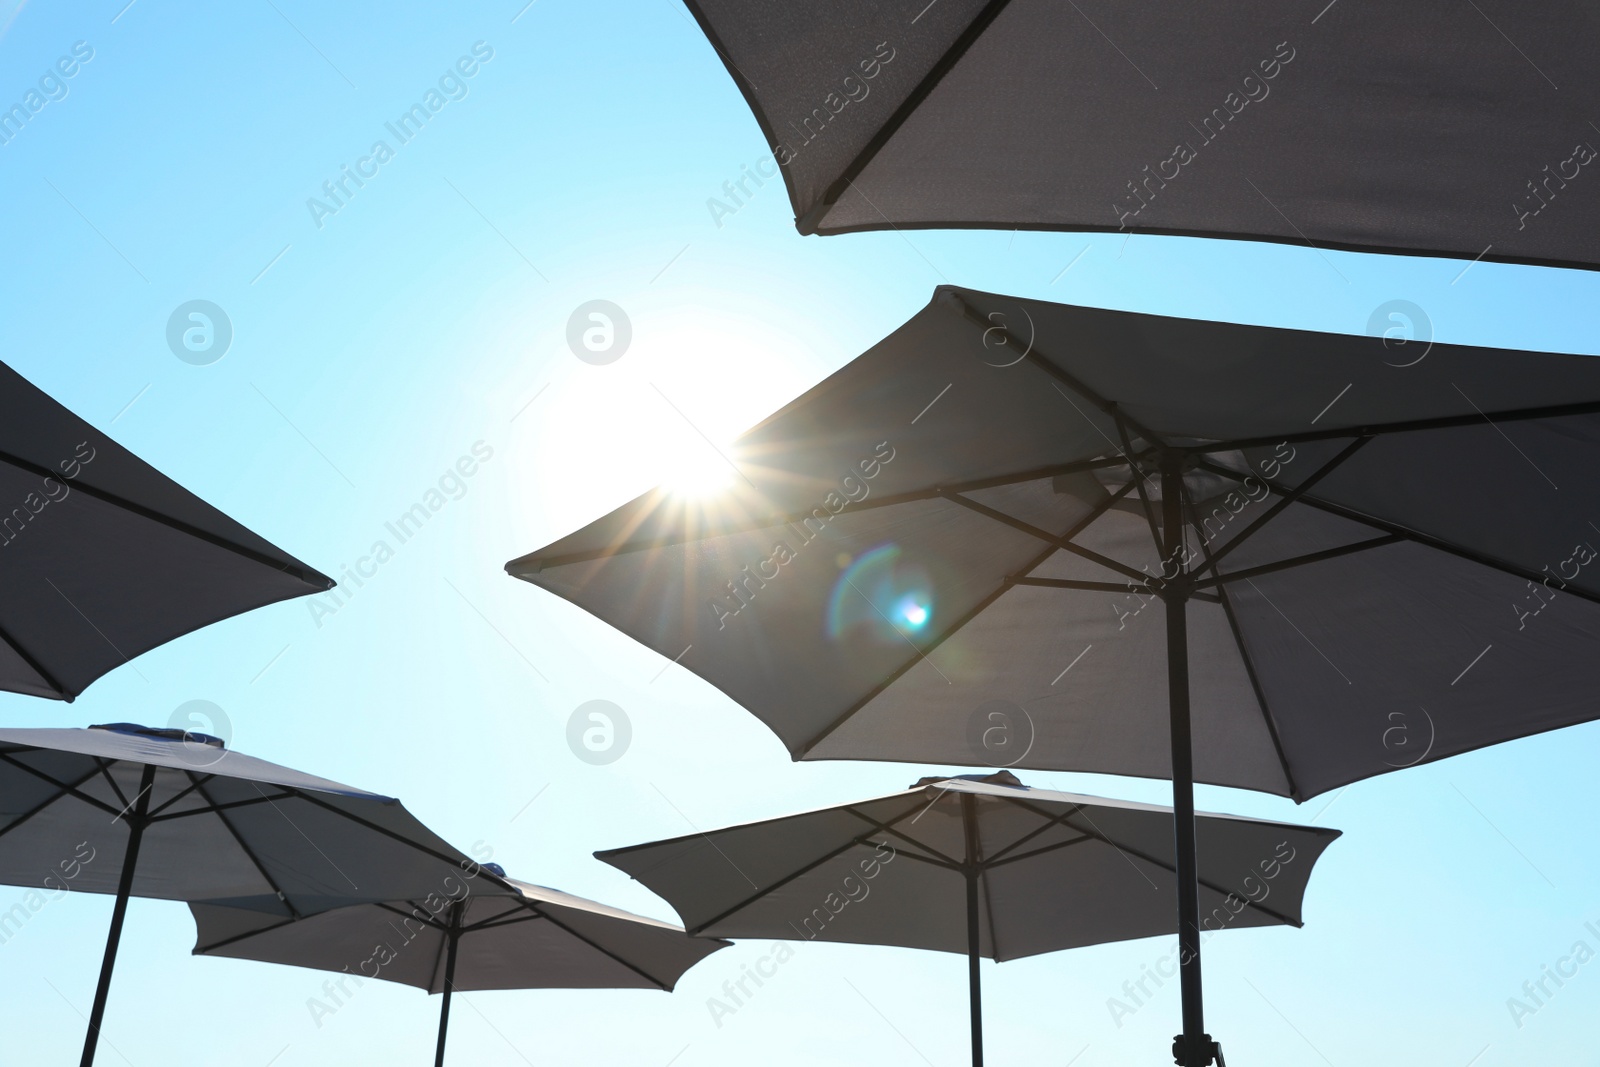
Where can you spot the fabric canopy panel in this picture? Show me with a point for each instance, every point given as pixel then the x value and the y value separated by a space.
pixel 216 825
pixel 1053 871
pixel 941 553
pixel 541 938
pixel 1427 128
pixel 102 557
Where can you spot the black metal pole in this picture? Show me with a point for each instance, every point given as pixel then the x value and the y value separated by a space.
pixel 1193 1047
pixel 130 860
pixel 974 940
pixel 454 935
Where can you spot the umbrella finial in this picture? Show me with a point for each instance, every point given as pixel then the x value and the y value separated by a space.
pixel 165 733
pixel 997 778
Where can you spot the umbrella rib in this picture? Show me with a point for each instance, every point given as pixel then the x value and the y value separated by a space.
pixel 384 830
pixel 194 783
pixel 1442 422
pixel 700 928
pixel 1055 370
pixel 859 839
pixel 1261 697
pixel 66 789
pixel 641 972
pixel 226 806
pixel 1054 820
pixel 1071 583
pixel 1169 868
pixel 1047 537
pixel 412 914
pixel 105 772
pixel 882 828
pixel 515 906
pixel 930 861
pixel 1032 853
pixel 1277 507
pixel 200 950
pixel 30 813
pixel 1006 584
pixel 34 664
pixel 500 920
pixel 788 518
pixel 1221 580
pixel 696 930
pixel 310 578
pixel 1137 479
pixel 814 215
pixel 250 853
pixel 1426 540
pixel 1098 587
pixel 1249 665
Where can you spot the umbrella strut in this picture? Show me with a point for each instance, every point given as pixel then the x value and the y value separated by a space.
pixel 137 821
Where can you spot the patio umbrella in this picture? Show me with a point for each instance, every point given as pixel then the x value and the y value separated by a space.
pixel 102 557
pixel 537 939
pixel 997 870
pixel 1029 534
pixel 173 815
pixel 1310 122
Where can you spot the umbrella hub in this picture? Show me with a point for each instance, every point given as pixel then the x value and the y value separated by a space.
pixel 1148 464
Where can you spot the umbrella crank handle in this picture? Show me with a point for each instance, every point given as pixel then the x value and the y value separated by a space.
pixel 1208 1052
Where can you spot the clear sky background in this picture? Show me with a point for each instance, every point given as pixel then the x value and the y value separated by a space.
pixel 429 314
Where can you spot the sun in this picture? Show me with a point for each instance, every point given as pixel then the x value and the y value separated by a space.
pixel 698 471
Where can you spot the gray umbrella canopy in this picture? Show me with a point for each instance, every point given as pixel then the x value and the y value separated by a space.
pixel 1037 535
pixel 1306 122
pixel 939 553
pixel 985 867
pixel 451 939
pixel 159 813
pixel 102 557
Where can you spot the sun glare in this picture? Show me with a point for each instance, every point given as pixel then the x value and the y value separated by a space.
pixel 699 472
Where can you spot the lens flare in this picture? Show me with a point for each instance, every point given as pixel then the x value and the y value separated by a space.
pixel 880 596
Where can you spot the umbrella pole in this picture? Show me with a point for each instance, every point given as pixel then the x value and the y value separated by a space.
pixel 973 991
pixel 1193 1048
pixel 130 860
pixel 454 935
pixel 969 817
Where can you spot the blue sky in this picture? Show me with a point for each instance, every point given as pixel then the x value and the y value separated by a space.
pixel 427 316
